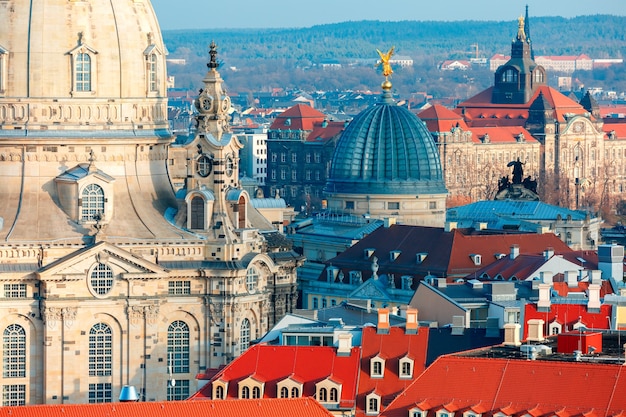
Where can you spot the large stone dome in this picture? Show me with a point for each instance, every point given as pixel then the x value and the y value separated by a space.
pixel 386 149
pixel 68 64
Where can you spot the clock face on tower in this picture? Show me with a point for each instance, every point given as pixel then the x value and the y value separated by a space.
pixel 204 165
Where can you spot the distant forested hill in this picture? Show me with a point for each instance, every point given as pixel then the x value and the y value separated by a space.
pixel 275 52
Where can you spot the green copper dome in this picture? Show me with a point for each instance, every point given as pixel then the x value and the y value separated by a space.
pixel 386 149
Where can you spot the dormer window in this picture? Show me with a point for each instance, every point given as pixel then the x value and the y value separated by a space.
pixel 219 390
pixel 476 258
pixel 509 76
pixel 83 65
pixel 92 203
pixel 152 56
pixel 555 328
pixel 372 404
pixel 328 391
pixel 377 367
pixel 250 388
pixel 416 412
pixel 405 366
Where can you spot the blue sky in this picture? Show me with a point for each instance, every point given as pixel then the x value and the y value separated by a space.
pixel 205 14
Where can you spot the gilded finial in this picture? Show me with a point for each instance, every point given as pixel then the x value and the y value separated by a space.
pixel 521 35
pixel 386 66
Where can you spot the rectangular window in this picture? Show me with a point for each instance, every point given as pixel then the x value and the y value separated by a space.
pixel 179 288
pixel 152 72
pixel 283 174
pixel 318 157
pixel 83 72
pixel 13 395
pixel 307 175
pixel 273 157
pixel 179 391
pixel 308 158
pixel 15 290
pixel 432 205
pixel 393 205
pixel 273 174
pixel 100 393
pixel 350 205
pixel 294 175
pixel 294 157
pixel 283 157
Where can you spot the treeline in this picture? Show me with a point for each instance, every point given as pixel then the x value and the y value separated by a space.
pixel 264 58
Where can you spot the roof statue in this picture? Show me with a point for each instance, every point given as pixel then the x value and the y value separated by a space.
pixel 213 64
pixel 384 63
pixel 519 188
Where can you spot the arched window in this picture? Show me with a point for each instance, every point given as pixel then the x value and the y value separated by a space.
pixel 284 392
pixel 197 213
pixel 101 279
pixel 372 405
pixel 333 395
pixel 252 279
pixel 256 392
pixel 538 77
pixel 178 347
pixel 152 72
pixel 14 352
pixel 82 71
pixel 92 202
pixel 100 350
pixel 245 393
pixel 509 76
pixel 323 395
pixel 295 392
pixel 244 335
pixel 219 392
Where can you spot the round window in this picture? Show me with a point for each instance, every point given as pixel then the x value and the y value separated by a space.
pixel 204 165
pixel 101 279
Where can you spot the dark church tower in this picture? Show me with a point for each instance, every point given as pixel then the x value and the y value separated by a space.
pixel 517 80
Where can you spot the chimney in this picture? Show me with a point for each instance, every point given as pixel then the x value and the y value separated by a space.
pixel 546 277
pixel 514 251
pixel 595 277
pixel 383 321
pixel 593 298
pixel 548 253
pixel 511 334
pixel 571 277
pixel 411 320
pixel 545 300
pixel 610 262
pixel 458 325
pixel 535 330
pixel 344 344
pixel 450 226
pixel 389 221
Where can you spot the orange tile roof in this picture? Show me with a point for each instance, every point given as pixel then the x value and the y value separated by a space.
pixel 480 111
pixel 323 131
pixel 441 119
pixel 300 116
pixel 219 408
pixel 568 315
pixel 392 347
pixel 272 364
pixel 515 387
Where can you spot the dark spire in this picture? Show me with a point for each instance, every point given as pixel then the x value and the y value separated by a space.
pixel 527 31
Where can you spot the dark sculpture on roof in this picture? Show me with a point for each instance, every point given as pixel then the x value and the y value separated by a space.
pixel 517 188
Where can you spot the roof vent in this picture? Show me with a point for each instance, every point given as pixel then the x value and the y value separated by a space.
pixel 476 258
pixel 393 255
pixel 421 257
pixel 368 252
pixel 128 394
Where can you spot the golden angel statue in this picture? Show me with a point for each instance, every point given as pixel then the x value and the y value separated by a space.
pixel 384 61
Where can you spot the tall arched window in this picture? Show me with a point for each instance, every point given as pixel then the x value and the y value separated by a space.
pixel 152 72
pixel 284 392
pixel 14 352
pixel 83 72
pixel 100 350
pixel 245 392
pixel 333 395
pixel 92 202
pixel 197 213
pixel 323 395
pixel 219 392
pixel 256 392
pixel 244 335
pixel 295 392
pixel 178 347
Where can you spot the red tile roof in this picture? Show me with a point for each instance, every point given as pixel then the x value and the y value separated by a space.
pixel 323 131
pixel 298 117
pixel 272 364
pixel 480 111
pixel 568 315
pixel 441 119
pixel 391 347
pixel 515 387
pixel 448 253
pixel 219 408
